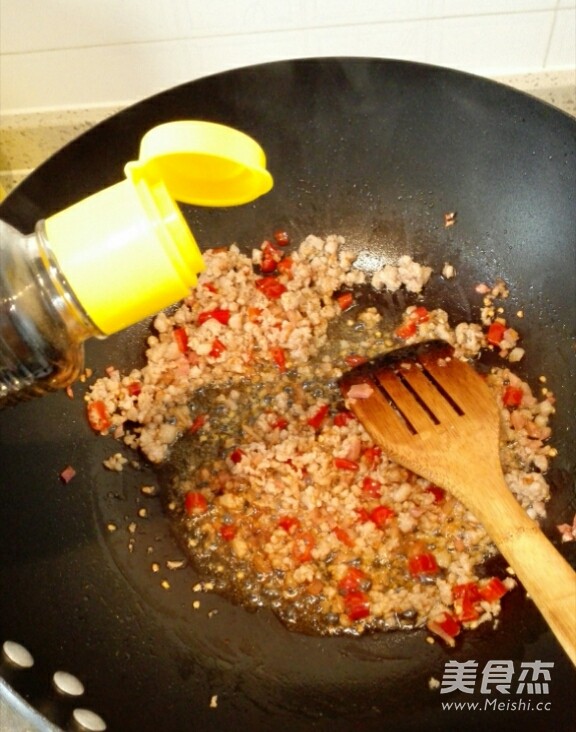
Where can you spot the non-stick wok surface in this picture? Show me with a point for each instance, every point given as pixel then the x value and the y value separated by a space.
pixel 376 151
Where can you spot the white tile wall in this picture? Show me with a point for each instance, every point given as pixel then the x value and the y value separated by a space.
pixel 72 53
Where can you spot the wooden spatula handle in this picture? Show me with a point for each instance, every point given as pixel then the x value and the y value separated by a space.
pixel 547 577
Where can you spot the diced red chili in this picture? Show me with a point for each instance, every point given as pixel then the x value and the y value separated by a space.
pixel 195 503
pixel 342 418
pixel 219 314
pixel 495 333
pixel 450 625
pixel 420 314
pixel 267 265
pixel 279 357
pixel 353 581
pixel 380 515
pixel 493 590
pixel 345 300
pixel 343 536
pixel 345 464
pixel 406 330
pixel 285 266
pixel 211 287
pixel 269 259
pixel 218 348
pixel 181 337
pixel 425 563
pixel 468 589
pixel 466 610
pixel 354 360
pixel 371 487
pixel 271 287
pixel 512 396
pixel 363 515
pixel 253 314
pixel 237 455
pixel 438 493
pixel 445 626
pixel 227 532
pixel 134 388
pixel 372 455
pixel 466 596
pixel 198 423
pixel 279 423
pixel 281 237
pixel 302 547
pixel 98 416
pixel 288 523
pixel 315 421
pixel 356 605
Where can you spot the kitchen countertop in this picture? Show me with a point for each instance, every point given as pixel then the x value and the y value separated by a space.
pixel 26 140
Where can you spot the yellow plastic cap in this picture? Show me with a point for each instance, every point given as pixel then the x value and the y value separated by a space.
pixel 205 163
pixel 127 251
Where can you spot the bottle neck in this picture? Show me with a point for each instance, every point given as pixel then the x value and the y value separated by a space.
pixel 58 292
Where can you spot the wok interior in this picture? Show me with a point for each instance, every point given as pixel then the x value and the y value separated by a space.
pixel 375 151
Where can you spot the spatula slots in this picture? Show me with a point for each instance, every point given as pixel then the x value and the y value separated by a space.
pixel 435 415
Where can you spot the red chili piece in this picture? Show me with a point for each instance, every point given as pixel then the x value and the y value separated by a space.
pixel 237 455
pixel 495 333
pixel 356 605
pixel 345 464
pixel 438 493
pixel 98 416
pixel 422 564
pixel 271 287
pixel 407 329
pixel 279 357
pixel 345 300
pixel 219 314
pixel 285 266
pixel 302 547
pixel 134 388
pixel 218 348
pixel 466 596
pixel 493 590
pixel 315 421
pixel 198 423
pixel 363 515
pixel 372 455
pixel 353 581
pixel 227 532
pixel 342 418
pixel 512 396
pixel 343 536
pixel 380 515
pixel 195 503
pixel 281 237
pixel 288 523
pixel 279 423
pixel 371 487
pixel 181 338
pixel 446 626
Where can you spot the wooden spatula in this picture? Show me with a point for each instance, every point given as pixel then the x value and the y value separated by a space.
pixel 433 414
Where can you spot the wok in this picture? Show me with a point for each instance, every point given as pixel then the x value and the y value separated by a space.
pixel 377 151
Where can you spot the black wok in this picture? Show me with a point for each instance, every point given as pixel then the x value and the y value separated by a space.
pixel 377 151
